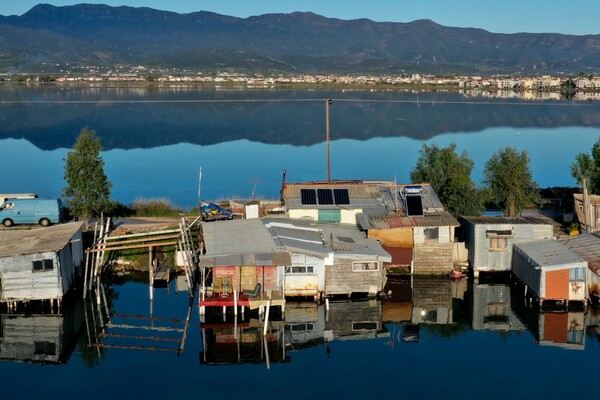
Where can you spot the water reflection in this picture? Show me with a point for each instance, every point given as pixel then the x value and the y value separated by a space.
pixel 40 335
pixel 137 118
pixel 418 309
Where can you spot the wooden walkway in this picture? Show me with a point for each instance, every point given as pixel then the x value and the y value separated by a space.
pixel 162 272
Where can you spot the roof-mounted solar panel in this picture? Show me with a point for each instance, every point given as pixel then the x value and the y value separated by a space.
pixel 325 196
pixel 341 196
pixel 308 196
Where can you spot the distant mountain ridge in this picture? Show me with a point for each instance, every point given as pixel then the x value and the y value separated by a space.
pixel 104 36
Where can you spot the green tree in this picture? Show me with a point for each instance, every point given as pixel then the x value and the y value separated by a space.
pixel 509 180
pixel 583 169
pixel 450 177
pixel 88 189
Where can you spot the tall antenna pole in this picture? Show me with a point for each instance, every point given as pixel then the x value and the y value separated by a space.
pixel 327 106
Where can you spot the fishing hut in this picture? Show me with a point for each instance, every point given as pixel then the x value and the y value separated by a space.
pixel 551 271
pixel 40 264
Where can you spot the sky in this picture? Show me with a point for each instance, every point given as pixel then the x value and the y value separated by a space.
pixel 577 17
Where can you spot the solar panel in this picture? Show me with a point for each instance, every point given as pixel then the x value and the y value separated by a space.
pixel 325 196
pixel 308 196
pixel 341 196
pixel 414 205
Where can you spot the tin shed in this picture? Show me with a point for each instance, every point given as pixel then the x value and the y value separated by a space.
pixel 550 270
pixel 41 263
pixel 490 240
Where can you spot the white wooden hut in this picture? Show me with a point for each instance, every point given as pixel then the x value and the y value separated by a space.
pixel 40 263
pixel 490 239
pixel 550 270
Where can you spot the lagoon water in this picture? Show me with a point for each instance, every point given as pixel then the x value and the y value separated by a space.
pixel 155 141
pixel 458 341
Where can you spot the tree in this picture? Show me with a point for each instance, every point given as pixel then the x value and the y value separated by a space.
pixel 509 181
pixel 450 177
pixel 583 169
pixel 88 189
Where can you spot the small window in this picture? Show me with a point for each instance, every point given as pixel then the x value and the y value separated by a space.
pixel 431 234
pixel 45 348
pixel 498 244
pixel 365 266
pixel 300 327
pixel 365 326
pixel 43 265
pixel 577 275
pixel 301 269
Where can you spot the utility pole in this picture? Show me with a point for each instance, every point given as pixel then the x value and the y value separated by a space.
pixel 327 139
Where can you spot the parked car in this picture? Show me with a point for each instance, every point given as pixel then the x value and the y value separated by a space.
pixel 31 211
pixel 212 211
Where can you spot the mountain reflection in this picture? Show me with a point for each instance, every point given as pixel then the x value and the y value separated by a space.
pixel 144 118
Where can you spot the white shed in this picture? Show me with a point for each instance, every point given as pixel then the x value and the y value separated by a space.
pixel 40 263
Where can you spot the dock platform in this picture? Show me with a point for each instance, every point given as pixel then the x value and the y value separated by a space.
pixel 228 300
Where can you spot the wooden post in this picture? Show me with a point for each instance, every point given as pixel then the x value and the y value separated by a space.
pixel 235 303
pixel 327 139
pixel 150 273
pixel 267 317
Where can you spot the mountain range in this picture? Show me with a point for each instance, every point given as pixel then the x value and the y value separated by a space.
pixel 300 42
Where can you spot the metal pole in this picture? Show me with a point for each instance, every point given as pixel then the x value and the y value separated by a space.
pixel 327 139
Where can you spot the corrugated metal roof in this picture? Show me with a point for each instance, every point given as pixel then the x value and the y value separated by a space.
pixel 594 198
pixel 244 236
pixel 485 220
pixel 359 247
pixel 587 246
pixel 550 253
pixel 362 194
pixel 37 240
pixel 399 220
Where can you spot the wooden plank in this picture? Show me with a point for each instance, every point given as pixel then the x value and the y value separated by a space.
pixel 148 328
pixel 131 235
pixel 130 247
pixel 151 348
pixel 147 239
pixel 137 337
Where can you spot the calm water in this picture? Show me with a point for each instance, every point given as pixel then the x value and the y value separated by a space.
pixel 474 341
pixel 156 140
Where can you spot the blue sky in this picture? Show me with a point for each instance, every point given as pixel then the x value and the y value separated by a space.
pixel 577 17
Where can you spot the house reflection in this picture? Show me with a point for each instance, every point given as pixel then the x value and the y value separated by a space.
pixel 490 308
pixel 562 328
pixel 306 325
pixel 39 336
pixel 243 343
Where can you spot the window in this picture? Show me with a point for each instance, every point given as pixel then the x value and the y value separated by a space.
pixel 577 275
pixel 300 327
pixel 499 239
pixel 431 234
pixel 301 269
pixel 498 244
pixel 365 266
pixel 365 326
pixel 43 265
pixel 45 348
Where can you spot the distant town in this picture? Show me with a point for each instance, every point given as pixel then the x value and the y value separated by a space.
pixel 580 87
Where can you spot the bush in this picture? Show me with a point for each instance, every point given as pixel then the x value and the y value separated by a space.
pixel 154 208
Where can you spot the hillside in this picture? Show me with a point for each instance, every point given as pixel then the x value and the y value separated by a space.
pixel 298 42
